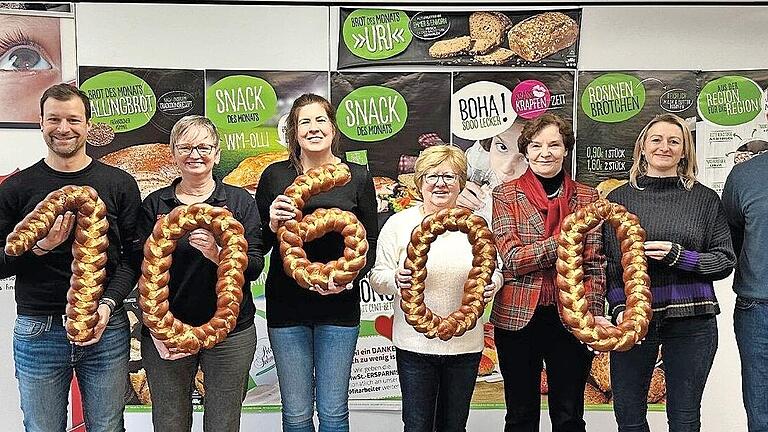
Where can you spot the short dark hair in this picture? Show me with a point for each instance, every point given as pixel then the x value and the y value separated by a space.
pixel 64 92
pixel 536 125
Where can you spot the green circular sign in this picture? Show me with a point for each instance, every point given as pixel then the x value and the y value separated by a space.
pixel 613 98
pixel 120 99
pixel 730 100
pixel 372 113
pixel 375 34
pixel 238 103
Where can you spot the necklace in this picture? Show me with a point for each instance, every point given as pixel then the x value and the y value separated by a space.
pixel 180 191
pixel 555 193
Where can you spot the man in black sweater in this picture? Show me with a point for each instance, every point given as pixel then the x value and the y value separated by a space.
pixel 43 356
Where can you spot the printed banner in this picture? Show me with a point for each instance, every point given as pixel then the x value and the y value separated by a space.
pixel 733 126
pixel 250 108
pixel 36 52
pixel 494 38
pixel 613 108
pixel 385 120
pixel 133 111
pixel 488 111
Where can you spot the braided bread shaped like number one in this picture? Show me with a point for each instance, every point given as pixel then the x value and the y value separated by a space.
pixel 417 314
pixel 574 308
pixel 294 232
pixel 153 283
pixel 89 251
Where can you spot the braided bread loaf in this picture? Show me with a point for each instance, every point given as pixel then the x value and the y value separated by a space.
pixel 294 232
pixel 89 251
pixel 153 283
pixel 483 265
pixel 570 274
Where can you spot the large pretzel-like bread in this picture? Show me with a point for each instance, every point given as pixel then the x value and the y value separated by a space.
pixel 570 274
pixel 294 232
pixel 153 283
pixel 483 265
pixel 89 251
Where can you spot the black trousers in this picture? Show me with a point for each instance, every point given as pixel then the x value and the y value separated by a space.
pixel 522 354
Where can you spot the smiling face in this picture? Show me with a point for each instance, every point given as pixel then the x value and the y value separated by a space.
pixel 196 152
pixel 314 130
pixel 663 149
pixel 64 127
pixel 546 152
pixel 440 187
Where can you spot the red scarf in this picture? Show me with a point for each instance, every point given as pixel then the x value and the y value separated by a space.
pixel 552 210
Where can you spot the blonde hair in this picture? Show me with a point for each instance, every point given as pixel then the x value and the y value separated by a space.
pixel 191 122
pixel 436 155
pixel 686 168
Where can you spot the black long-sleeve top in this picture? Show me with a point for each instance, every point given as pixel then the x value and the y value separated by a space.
pixel 192 285
pixel 42 281
pixel 288 304
pixel 694 221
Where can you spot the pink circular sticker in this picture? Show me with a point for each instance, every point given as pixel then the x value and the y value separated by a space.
pixel 530 99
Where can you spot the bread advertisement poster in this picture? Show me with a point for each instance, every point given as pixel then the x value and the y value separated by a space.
pixel 613 107
pixel 733 122
pixel 488 111
pixel 385 120
pixel 250 108
pixel 482 38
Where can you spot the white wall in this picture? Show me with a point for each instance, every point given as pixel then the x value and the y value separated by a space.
pixel 297 38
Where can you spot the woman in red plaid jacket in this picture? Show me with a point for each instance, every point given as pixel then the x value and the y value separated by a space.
pixel 527 213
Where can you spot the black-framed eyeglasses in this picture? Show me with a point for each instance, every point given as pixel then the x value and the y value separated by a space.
pixel 202 149
pixel 448 179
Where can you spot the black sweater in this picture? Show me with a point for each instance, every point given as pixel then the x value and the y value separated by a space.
pixel 694 221
pixel 42 281
pixel 192 287
pixel 289 304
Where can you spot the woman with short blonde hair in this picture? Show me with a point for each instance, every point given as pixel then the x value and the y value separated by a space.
pixel 436 377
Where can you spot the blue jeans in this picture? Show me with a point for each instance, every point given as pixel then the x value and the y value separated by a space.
pixel 45 359
pixel 436 390
pixel 688 347
pixel 750 322
pixel 314 363
pixel 225 376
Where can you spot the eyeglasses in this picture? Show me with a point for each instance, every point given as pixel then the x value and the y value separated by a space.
pixel 202 149
pixel 448 179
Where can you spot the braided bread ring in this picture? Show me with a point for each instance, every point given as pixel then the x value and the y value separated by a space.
pixel 89 251
pixel 483 265
pixel 294 232
pixel 153 283
pixel 570 274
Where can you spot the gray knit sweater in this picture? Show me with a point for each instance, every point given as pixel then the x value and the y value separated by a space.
pixel 694 221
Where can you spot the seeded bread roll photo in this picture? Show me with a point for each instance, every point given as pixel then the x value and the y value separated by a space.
pixel 450 47
pixel 499 56
pixel 542 35
pixel 489 25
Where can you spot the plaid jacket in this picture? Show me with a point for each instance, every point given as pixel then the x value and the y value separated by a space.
pixel 528 256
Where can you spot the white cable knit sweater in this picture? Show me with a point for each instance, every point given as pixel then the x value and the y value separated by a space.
pixel 450 259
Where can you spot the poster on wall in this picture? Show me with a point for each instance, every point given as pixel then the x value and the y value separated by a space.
pixel 37 50
pixel 488 111
pixel 485 38
pixel 385 120
pixel 612 109
pixel 250 108
pixel 133 111
pixel 733 125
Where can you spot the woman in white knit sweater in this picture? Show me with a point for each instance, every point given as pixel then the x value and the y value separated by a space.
pixel 436 377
